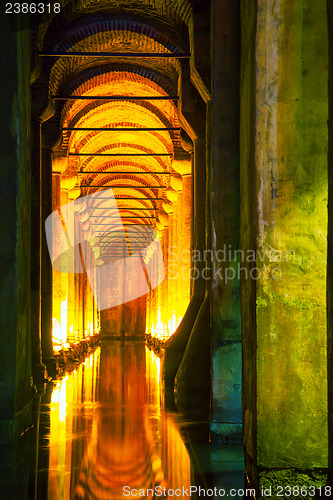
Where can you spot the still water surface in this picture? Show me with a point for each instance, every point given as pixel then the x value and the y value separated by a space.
pixel 103 433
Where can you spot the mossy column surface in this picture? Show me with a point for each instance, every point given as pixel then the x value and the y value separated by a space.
pixel 15 328
pixel 284 144
pixel 330 247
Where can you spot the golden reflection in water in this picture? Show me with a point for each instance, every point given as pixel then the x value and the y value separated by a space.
pixel 153 377
pixel 107 429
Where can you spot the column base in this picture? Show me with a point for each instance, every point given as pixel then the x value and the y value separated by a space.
pixel 193 380
pixel 39 375
pixel 52 366
pixel 174 348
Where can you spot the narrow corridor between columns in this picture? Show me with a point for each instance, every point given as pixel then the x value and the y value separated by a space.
pixel 103 432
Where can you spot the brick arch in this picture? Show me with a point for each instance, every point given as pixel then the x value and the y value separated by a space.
pixel 93 25
pixel 99 116
pixel 102 72
pixel 148 163
pixel 118 41
pixel 126 210
pixel 96 178
pixel 143 25
pixel 100 106
pixel 134 216
pixel 108 83
pixel 89 137
pixel 116 238
pixel 145 203
pixel 172 15
pixel 117 164
pixel 127 181
pixel 135 165
pixel 134 192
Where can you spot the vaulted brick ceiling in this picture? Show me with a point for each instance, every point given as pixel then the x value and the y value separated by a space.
pixel 144 26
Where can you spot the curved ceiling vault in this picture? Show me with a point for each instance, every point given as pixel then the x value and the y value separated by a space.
pixel 138 161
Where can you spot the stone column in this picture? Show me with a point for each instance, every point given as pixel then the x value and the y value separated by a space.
pixel 171 266
pixel 38 368
pixel 181 182
pixel 15 217
pixel 174 348
pixel 226 418
pixel 148 315
pixel 160 290
pixel 56 275
pixel 284 188
pixel 83 303
pixel 186 232
pixel 40 109
pixel 173 245
pixel 46 266
pixel 153 302
pixel 176 184
pixel 330 248
pixel 71 289
pixel 164 224
pixel 192 385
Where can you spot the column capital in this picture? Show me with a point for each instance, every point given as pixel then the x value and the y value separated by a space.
pixel 176 182
pixel 171 195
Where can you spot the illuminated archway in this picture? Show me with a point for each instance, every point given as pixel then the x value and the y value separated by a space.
pixel 135 97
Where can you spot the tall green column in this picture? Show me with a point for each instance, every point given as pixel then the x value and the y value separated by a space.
pixel 330 247
pixel 15 330
pixel 284 113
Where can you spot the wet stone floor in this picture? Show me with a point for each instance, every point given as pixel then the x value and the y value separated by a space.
pixel 103 432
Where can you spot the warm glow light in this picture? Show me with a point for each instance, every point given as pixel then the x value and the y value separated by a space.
pixel 161 330
pixel 177 454
pixel 129 145
pixel 56 332
pixel 158 331
pixel 62 400
pixel 66 394
pixel 74 307
pixel 59 330
pixel 153 367
pixel 63 321
pixel 156 360
pixel 56 394
pixel 58 399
